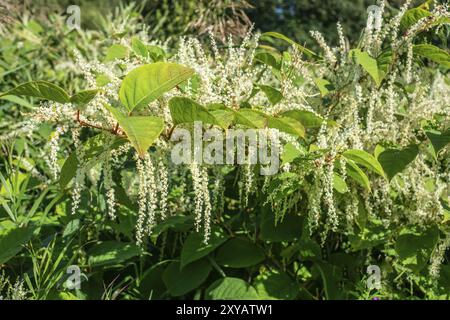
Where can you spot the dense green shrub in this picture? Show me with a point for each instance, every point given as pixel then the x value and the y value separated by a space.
pixel 363 134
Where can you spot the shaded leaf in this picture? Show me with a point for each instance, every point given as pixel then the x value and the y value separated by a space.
pixel 394 161
pixel 239 253
pixel 231 289
pixel 181 281
pixel 112 252
pixel 194 247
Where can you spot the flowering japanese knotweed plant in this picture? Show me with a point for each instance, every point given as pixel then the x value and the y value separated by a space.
pixel 362 132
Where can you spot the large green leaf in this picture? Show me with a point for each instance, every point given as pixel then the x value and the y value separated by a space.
pixel 275 285
pixel 92 148
pixel 194 248
pixel 40 89
pixel 394 161
pixel 112 253
pixel 181 281
pixel 152 285
pixel 149 82
pixel 438 139
pixel 365 159
pixel 239 253
pixel 414 247
pixel 367 63
pixel 287 229
pixel 12 241
pixel 331 276
pixel 231 289
pixel 141 131
pixel 185 110
pixel 433 53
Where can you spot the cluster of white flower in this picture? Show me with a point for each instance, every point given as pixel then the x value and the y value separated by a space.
pixel 365 117
pixel 203 208
pixel 438 256
pixel 14 291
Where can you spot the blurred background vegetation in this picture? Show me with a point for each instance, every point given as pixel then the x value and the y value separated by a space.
pixel 170 19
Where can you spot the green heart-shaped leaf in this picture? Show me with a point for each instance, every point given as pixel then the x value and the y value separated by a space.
pixel 141 131
pixel 149 82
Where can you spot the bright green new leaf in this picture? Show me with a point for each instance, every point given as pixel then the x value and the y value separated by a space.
pixel 324 86
pixel 149 82
pixel 368 63
pixel 139 48
pixel 116 51
pixel 290 153
pixel 40 89
pixel 286 124
pixel 339 184
pixel 357 174
pixel 141 131
pixel 365 159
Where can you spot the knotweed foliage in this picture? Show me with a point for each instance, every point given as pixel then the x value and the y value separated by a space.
pixel 361 131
